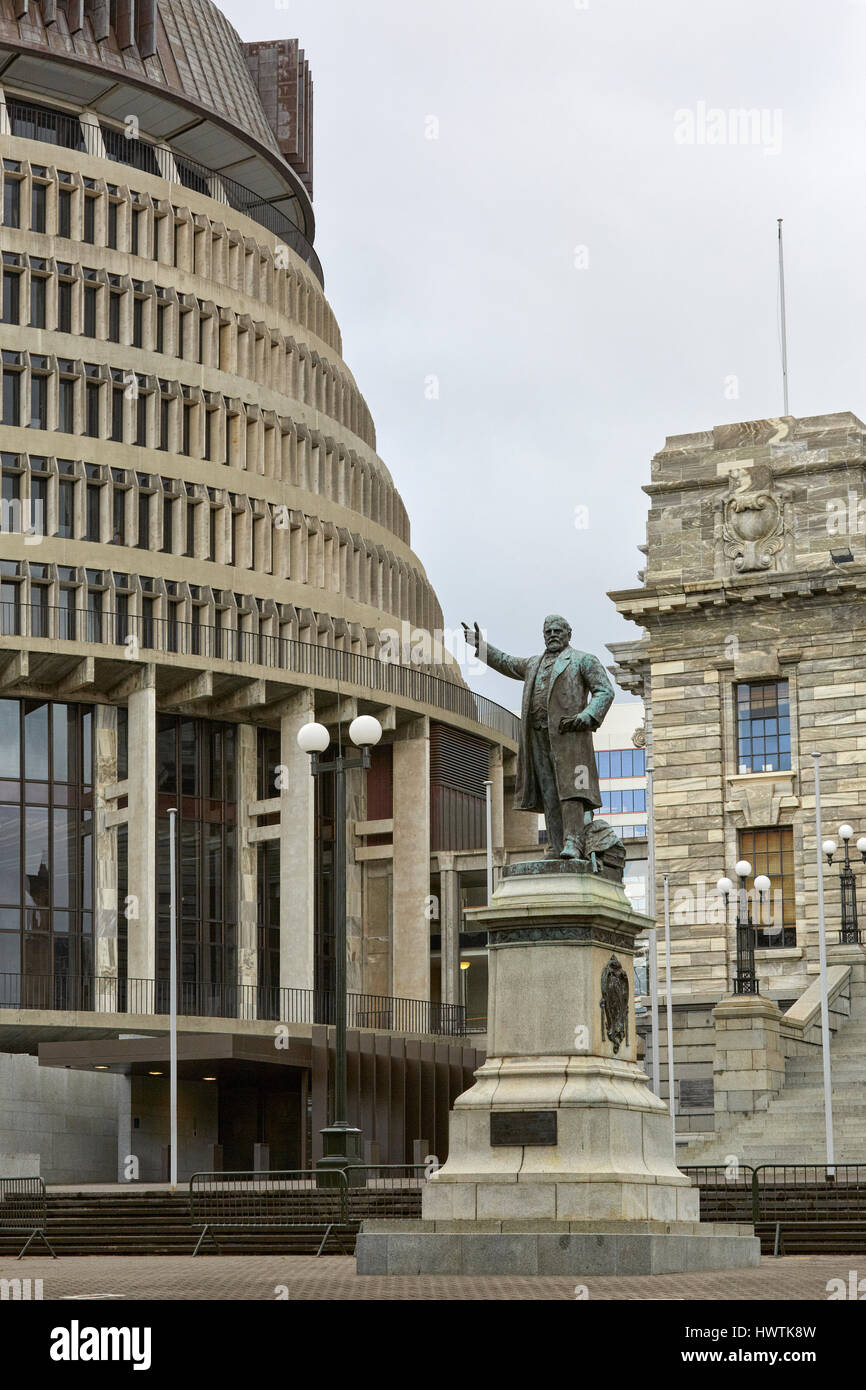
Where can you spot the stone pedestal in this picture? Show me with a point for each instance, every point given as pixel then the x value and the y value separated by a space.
pixel 561 1159
pixel 748 1056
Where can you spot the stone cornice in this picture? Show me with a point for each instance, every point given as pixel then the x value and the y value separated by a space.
pixel 664 598
pixel 789 470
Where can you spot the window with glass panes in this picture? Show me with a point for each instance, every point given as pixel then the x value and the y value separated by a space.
pixel 66 404
pixel 46 854
pixel 11 390
pixel 196 772
pixel 64 212
pixel 617 802
pixel 11 296
pixel 763 727
pixel 64 306
pixel 11 195
pixel 621 762
pixel 38 286
pixel 771 852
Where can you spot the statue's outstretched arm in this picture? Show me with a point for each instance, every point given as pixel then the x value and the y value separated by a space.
pixel 514 666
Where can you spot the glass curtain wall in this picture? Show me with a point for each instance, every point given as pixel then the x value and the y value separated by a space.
pixel 196 773
pixel 46 854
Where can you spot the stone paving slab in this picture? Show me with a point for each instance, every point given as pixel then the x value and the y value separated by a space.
pixel 303 1278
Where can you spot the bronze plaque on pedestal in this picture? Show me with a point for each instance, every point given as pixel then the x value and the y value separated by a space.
pixel 529 1127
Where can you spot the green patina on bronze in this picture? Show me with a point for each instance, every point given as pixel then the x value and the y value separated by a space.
pixel 566 695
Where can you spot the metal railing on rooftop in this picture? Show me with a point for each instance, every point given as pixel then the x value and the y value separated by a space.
pixel 202 999
pixel 58 128
pixel 173 636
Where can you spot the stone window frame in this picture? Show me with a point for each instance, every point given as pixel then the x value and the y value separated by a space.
pixel 40 268
pixel 246 347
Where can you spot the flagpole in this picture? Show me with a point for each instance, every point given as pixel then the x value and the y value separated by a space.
pixel 784 324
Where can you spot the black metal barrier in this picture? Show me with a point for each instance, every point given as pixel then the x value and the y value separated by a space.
pixel 24 1209
pixel 812 1202
pixel 333 1201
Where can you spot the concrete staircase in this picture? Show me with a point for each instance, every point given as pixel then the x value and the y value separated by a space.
pixel 791 1129
pixel 130 1222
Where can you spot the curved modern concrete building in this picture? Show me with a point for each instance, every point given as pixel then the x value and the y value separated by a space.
pixel 202 551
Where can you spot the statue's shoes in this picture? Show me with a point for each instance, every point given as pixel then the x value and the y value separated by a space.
pixel 571 850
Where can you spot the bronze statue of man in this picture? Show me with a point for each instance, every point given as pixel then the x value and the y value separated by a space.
pixel 566 695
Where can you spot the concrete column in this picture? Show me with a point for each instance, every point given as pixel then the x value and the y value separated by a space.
pixel 105 845
pixel 93 138
pixel 141 954
pixel 126 1157
pixel 497 797
pixel 449 928
pixel 247 866
pixel 217 189
pixel 165 164
pixel 520 827
pixel 297 850
pixel 410 945
pixel 748 1056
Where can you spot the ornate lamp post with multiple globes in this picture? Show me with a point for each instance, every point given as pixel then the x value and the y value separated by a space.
pixel 850 933
pixel 746 979
pixel 341 1141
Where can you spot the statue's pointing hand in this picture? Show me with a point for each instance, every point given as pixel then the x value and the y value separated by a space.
pixel 472 637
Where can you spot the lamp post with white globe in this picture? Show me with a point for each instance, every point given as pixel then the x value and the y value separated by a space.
pixel 850 933
pixel 341 1141
pixel 746 979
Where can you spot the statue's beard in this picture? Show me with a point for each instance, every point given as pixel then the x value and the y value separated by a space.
pixel 555 644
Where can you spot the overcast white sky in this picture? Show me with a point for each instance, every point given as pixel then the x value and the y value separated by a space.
pixel 455 258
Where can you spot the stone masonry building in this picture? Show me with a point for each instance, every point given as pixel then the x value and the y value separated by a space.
pixel 751 660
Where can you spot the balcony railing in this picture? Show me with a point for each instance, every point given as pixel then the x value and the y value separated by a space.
pixel 111 995
pixel 257 649
pixel 58 128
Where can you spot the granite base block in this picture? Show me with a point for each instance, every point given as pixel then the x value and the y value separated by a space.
pixel 418 1247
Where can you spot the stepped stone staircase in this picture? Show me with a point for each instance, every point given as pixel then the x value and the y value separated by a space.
pixel 130 1221
pixel 791 1129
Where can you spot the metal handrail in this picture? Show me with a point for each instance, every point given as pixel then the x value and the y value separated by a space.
pixel 112 994
pixel 143 155
pixel 256 649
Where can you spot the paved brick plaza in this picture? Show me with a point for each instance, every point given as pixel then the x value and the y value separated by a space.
pixel 333 1277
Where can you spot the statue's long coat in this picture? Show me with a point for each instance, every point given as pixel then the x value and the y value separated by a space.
pixel 576 676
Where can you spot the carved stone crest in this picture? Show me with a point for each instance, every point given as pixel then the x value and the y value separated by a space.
pixel 614 1003
pixel 753 521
